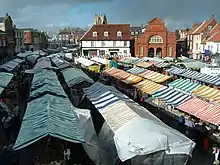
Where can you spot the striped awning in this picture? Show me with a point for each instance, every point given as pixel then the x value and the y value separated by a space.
pixel 163 64
pixel 121 75
pixel 176 71
pixel 109 105
pixel 136 70
pixel 148 86
pixel 171 96
pixel 132 79
pixel 214 80
pixel 202 110
pixel 185 85
pixel 208 93
pixel 154 76
pixel 144 64
pixel 112 71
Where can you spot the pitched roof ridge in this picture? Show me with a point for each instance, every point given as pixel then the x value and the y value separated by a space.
pixel 86 32
pixel 214 28
pixel 214 34
pixel 199 26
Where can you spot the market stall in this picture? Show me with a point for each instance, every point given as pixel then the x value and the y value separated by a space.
pixel 123 135
pixel 185 85
pixel 154 76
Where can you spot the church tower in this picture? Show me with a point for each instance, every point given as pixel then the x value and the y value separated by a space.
pixel 100 19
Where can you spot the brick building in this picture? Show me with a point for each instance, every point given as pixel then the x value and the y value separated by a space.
pixel 156 41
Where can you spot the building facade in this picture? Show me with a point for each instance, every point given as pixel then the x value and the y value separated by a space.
pixel 156 41
pixel 198 36
pixel 6 25
pixel 107 39
pixel 3 45
pixel 34 39
pixel 19 40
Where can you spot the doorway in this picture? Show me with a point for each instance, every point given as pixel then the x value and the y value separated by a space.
pixel 151 52
pixel 159 52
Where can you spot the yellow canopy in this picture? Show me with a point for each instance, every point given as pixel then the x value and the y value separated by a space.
pixel 132 79
pixel 154 76
pixel 209 93
pixel 144 64
pixel 148 86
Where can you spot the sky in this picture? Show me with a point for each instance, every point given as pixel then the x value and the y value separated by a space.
pixel 49 14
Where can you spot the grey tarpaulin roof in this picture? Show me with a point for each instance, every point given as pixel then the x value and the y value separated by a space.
pixel 5 78
pixel 46 81
pixel 60 63
pixel 11 65
pixel 132 123
pixel 43 63
pixel 49 115
pixel 75 76
pixel 32 58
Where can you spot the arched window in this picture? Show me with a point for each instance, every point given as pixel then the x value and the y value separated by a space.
pixel 156 39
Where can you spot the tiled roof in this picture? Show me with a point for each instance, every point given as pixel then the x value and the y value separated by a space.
pixel 203 26
pixel 215 37
pixel 112 30
pixel 195 26
pixel 136 29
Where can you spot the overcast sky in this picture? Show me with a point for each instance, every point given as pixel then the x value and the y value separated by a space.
pixel 49 13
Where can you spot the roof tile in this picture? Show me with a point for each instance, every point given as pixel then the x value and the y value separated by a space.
pixel 112 30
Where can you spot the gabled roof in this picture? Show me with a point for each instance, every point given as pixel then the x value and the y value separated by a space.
pixel 195 26
pixel 215 37
pixel 112 30
pixel 212 33
pixel 203 26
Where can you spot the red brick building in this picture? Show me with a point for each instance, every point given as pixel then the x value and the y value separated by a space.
pixel 156 41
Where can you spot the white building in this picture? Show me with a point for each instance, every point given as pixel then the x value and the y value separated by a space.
pixel 212 43
pixel 199 36
pixel 107 39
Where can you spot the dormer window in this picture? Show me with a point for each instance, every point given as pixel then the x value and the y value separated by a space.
pixel 209 27
pixel 119 34
pixel 105 34
pixel 94 34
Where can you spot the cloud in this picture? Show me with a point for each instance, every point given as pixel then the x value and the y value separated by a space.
pixel 176 12
pixel 40 13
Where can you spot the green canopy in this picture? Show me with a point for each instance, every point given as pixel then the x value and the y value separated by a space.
pixel 46 81
pixel 5 78
pixel 47 88
pixel 75 76
pixel 49 115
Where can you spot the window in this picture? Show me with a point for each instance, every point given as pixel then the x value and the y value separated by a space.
pixel 4 43
pixel 217 47
pixel 119 34
pixel 170 51
pixel 103 43
pixel 125 52
pixel 156 39
pixel 211 48
pixel 208 47
pixel 209 27
pixel 141 51
pixel 92 43
pixel 94 34
pixel 106 34
pixel 114 43
pixel 136 33
pixel 132 33
pixel 125 43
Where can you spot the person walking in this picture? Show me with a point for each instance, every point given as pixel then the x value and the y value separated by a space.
pixel 113 63
pixel 215 155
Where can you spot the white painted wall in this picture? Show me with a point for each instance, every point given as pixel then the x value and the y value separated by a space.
pixel 106 44
pixel 214 47
pixel 197 46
